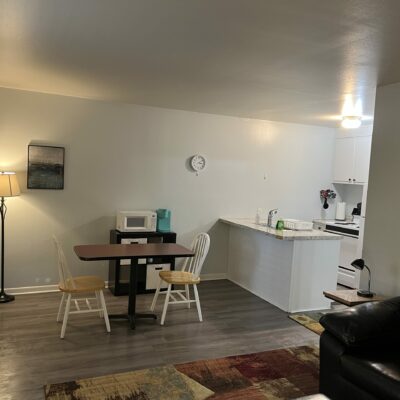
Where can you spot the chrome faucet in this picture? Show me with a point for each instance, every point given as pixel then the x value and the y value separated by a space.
pixel 270 216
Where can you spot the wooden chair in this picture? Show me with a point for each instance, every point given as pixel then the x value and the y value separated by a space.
pixel 188 276
pixel 77 286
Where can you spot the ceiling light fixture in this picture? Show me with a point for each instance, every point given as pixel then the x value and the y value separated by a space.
pixel 351 121
pixel 351 113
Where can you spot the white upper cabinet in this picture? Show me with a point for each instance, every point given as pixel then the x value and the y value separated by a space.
pixel 362 159
pixel 344 160
pixel 352 157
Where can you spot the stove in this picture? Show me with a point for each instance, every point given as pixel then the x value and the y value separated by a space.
pixel 343 227
pixel 349 248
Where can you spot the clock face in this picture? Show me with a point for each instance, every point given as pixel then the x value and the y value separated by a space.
pixel 198 163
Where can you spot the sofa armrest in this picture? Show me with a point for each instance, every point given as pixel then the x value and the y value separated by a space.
pixel 374 322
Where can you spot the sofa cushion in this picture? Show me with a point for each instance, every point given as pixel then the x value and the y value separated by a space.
pixel 378 374
pixel 367 324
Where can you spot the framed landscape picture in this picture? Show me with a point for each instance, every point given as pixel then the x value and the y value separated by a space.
pixel 45 167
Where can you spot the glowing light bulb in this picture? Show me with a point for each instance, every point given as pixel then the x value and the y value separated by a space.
pixel 351 121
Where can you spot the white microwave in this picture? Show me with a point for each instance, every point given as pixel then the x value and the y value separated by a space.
pixel 136 221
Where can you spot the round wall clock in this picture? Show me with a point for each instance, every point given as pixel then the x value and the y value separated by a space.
pixel 198 163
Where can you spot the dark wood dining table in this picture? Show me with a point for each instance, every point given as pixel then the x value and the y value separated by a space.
pixel 133 252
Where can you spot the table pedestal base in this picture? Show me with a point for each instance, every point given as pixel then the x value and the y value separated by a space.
pixel 132 318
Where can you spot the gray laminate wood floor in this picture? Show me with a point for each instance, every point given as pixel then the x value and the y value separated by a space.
pixel 235 322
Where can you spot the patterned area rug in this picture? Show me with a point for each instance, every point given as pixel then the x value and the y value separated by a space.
pixel 308 321
pixel 274 375
pixel 163 383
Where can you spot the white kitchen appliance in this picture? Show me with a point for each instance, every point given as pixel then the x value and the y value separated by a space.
pixel 347 274
pixel 349 250
pixel 362 221
pixel 136 221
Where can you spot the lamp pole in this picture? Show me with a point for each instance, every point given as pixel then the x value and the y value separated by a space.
pixel 369 279
pixel 4 297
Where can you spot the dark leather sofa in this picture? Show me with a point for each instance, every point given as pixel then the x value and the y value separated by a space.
pixel 360 352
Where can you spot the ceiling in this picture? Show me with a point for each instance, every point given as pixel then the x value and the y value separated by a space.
pixel 287 60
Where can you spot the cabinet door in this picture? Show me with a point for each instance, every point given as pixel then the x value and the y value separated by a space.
pixel 344 160
pixel 362 158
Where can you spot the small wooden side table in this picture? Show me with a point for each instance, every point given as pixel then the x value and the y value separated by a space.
pixel 350 297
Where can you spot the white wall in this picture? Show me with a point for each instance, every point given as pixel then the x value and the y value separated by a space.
pixel 121 156
pixel 363 130
pixel 350 194
pixel 382 239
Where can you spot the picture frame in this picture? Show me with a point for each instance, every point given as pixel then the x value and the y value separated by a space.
pixel 45 167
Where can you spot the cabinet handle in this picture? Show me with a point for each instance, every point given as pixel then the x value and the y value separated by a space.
pixel 354 180
pixel 349 179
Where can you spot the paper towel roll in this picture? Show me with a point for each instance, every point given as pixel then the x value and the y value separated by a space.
pixel 341 211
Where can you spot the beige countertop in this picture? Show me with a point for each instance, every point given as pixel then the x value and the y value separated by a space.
pixel 286 234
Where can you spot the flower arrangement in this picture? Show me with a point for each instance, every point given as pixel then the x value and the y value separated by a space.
pixel 325 195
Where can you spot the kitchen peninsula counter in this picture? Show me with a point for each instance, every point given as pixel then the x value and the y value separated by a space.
pixel 289 269
pixel 285 234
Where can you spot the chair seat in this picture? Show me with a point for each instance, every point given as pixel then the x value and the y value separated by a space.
pixel 179 278
pixel 83 284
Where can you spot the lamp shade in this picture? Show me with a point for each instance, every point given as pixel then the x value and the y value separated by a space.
pixel 9 185
pixel 359 263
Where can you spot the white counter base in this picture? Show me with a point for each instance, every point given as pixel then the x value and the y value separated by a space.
pixel 290 274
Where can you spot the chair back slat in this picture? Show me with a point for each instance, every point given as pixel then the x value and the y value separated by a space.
pixel 200 247
pixel 66 279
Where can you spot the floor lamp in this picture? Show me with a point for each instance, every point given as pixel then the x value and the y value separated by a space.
pixel 8 188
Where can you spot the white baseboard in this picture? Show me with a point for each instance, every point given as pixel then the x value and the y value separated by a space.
pixel 36 289
pixel 54 288
pixel 32 289
pixel 214 277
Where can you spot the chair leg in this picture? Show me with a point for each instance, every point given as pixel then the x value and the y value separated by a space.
pixel 60 308
pixel 105 314
pixel 153 304
pixel 166 304
pixel 196 295
pixel 187 295
pixel 99 305
pixel 66 313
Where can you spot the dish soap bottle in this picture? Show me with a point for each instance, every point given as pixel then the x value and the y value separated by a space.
pixel 280 225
